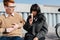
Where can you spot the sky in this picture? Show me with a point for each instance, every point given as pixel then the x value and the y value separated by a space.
pixel 44 2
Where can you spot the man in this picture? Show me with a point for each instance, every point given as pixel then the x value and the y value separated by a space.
pixel 35 26
pixel 11 23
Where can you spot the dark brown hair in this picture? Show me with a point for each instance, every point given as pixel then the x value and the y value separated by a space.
pixel 5 2
pixel 35 7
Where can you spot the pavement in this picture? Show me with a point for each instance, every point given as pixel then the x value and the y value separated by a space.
pixel 51 35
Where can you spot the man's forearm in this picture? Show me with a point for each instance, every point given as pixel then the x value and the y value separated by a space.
pixel 9 29
pixel 2 30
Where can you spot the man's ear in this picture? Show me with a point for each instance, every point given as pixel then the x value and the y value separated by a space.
pixel 4 6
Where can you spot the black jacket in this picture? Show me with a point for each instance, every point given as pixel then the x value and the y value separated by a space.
pixel 39 27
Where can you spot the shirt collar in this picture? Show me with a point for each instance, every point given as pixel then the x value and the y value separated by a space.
pixel 8 14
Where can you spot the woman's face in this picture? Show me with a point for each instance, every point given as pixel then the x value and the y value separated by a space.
pixel 34 13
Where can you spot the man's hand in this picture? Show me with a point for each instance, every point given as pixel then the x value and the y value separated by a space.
pixel 35 38
pixel 14 26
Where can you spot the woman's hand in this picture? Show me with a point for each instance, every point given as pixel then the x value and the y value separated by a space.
pixel 31 19
pixel 35 38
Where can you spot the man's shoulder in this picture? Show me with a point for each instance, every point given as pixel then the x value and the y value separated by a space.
pixel 2 16
pixel 18 14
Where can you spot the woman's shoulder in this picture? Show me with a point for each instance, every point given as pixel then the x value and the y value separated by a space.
pixel 41 17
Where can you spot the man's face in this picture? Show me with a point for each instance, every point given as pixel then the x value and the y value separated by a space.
pixel 10 8
pixel 34 13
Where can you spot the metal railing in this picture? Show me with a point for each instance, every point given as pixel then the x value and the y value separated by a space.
pixel 51 18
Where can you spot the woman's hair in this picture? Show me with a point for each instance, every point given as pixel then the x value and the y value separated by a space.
pixel 5 2
pixel 35 7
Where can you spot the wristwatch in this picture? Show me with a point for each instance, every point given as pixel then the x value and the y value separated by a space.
pixel 5 32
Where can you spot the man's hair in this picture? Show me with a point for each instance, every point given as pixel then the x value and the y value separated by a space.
pixel 5 2
pixel 35 7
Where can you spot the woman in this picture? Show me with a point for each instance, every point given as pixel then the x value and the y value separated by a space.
pixel 35 25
